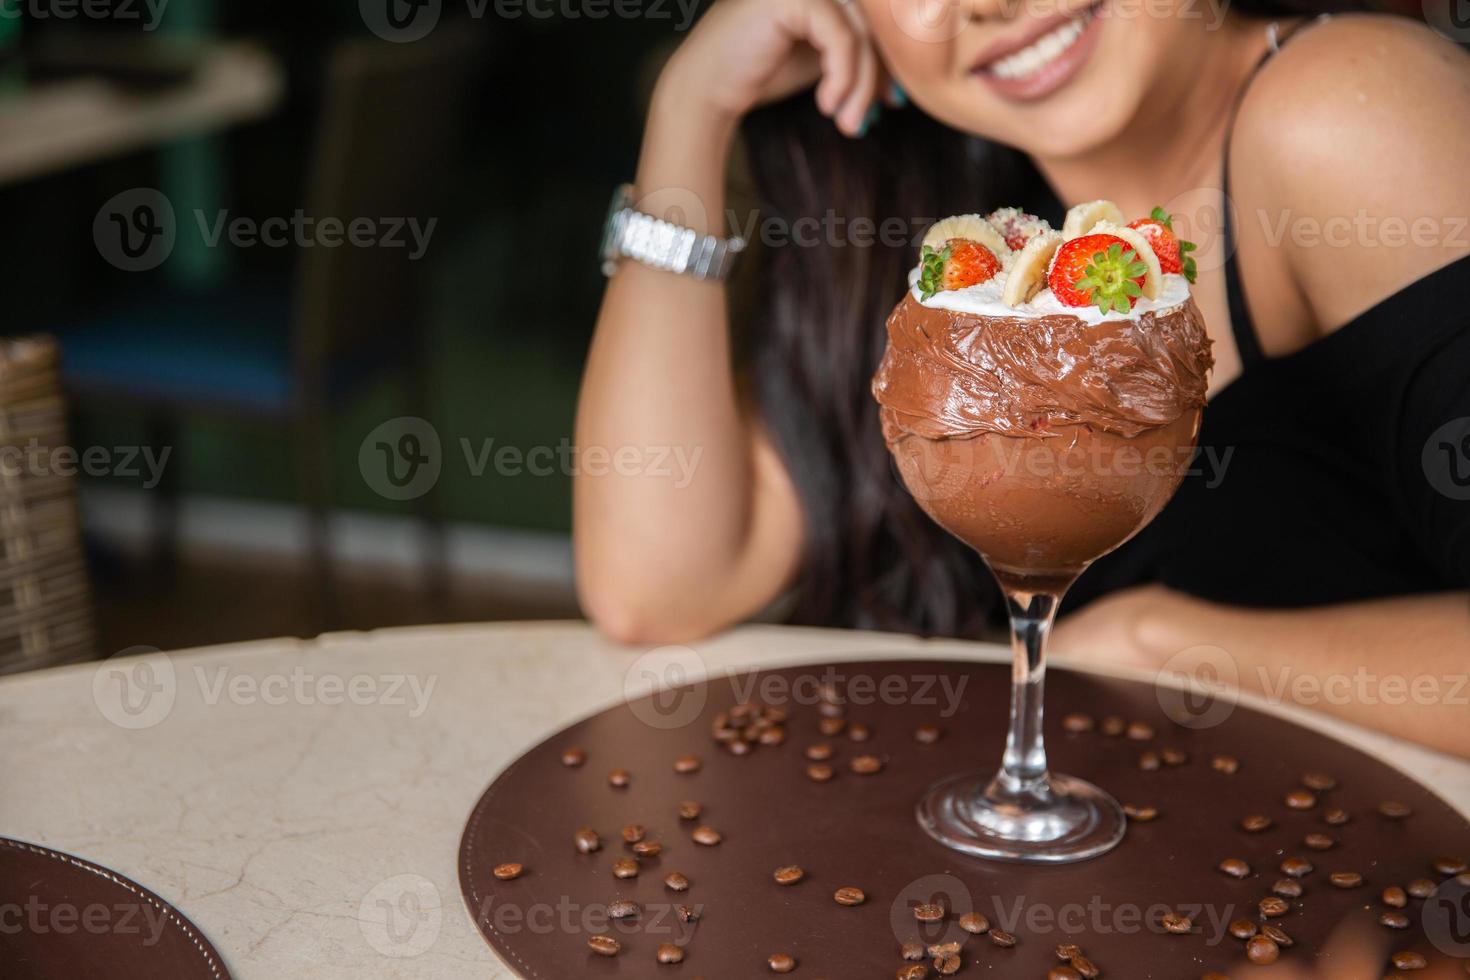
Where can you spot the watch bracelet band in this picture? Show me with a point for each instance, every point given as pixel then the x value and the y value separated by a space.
pixel 663 245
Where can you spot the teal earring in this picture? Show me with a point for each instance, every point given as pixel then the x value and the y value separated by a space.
pixel 897 95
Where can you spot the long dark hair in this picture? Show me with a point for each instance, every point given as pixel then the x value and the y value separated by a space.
pixel 871 559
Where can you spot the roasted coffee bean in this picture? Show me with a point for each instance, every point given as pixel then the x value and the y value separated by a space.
pixel 819 751
pixel 831 726
pixel 1227 764
pixel 774 712
pixel 1002 939
pixel 1394 897
pixel 1273 907
pixel 1176 923
pixel 1261 951
pixel 739 747
pixel 1173 757
pixel 1235 867
pixel 1140 731
pixel 911 950
pixel 622 909
pixel 706 835
pixel 929 912
pixel 508 871
pixel 1449 866
pixel 1300 799
pixel 648 848
pixel 1409 960
pixel 619 778
pixel 942 949
pixel 1065 951
pixel 1320 842
pixel 1140 814
pixel 1243 928
pixel 1420 888
pixel 775 735
pixel 670 953
pixel 587 840
pixel 1255 823
pixel 831 710
pixel 634 832
pixel 604 945
pixel 913 971
pixel 1149 762
pixel 686 764
pixel 688 810
pixel 1277 935
pixel 1287 888
pixel 820 772
pixel 1336 817
pixel 1078 722
pixel 1394 920
pixel 974 923
pixel 781 963
pixel 866 765
pixel 947 965
pixel 1345 879
pixel 1319 781
pixel 1296 867
pixel 859 732
pixel 788 875
pixel 742 711
pixel 1062 973
pixel 573 758
pixel 1394 810
pixel 1113 726
pixel 849 896
pixel 675 881
pixel 687 913
pixel 927 734
pixel 625 868
pixel 1085 967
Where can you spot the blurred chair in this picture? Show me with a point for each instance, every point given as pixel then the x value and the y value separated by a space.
pixel 385 140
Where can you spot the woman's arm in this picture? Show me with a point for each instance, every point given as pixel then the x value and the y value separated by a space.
pixel 671 552
pixel 1400 665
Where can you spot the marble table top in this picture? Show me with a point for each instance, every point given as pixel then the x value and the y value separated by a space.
pixel 302 801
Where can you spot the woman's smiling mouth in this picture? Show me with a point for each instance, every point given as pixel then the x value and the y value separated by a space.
pixel 1033 67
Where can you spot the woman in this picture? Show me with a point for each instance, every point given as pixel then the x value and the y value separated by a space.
pixel 1325 537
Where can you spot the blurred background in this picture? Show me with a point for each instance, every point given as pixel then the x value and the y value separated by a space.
pixel 297 296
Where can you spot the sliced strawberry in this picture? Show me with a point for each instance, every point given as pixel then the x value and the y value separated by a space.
pixel 1172 252
pixel 1097 270
pixel 960 263
pixel 1017 226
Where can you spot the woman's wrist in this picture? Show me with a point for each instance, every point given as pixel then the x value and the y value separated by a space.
pixel 686 144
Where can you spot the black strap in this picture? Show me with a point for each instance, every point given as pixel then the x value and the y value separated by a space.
pixel 1247 342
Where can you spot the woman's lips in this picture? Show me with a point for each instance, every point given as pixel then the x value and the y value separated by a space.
pixel 1053 72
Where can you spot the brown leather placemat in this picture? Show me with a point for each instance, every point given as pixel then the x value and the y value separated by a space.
pixel 63 917
pixel 859 830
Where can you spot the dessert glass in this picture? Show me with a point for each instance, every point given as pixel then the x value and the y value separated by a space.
pixel 1043 440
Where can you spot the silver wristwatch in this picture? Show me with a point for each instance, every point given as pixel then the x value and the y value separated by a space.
pixel 631 234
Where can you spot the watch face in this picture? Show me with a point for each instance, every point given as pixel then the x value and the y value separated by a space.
pixel 621 199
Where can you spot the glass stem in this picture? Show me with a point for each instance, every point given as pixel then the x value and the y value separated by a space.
pixel 1023 768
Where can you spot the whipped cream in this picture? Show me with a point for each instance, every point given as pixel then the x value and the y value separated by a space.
pixel 984 300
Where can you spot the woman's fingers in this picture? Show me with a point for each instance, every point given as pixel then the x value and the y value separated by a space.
pixel 821 24
pixel 861 97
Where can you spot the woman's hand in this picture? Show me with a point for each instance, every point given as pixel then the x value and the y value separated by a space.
pixel 745 53
pixel 1138 627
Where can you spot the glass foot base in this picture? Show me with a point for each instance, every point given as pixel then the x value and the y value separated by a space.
pixel 1063 820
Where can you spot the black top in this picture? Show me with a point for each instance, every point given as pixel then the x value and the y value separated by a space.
pixel 1336 473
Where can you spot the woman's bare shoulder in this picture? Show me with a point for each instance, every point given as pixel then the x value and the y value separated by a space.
pixel 1354 142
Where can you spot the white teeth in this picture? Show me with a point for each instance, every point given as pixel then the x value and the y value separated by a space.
pixel 1041 52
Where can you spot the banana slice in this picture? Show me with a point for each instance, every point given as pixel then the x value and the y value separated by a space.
pixel 976 229
pixel 1154 276
pixel 1084 216
pixel 1028 272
